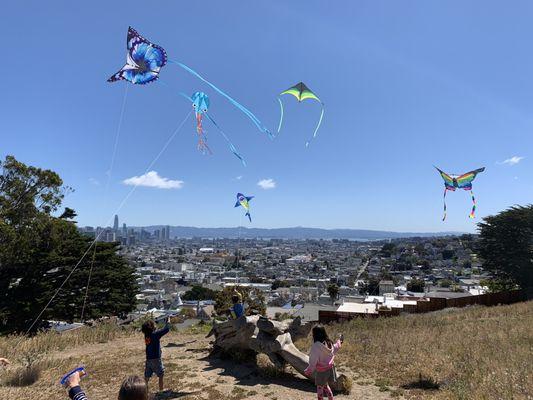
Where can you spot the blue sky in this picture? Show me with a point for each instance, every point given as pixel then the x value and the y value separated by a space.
pixel 407 85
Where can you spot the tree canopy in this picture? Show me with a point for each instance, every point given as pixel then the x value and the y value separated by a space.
pixel 198 292
pixel 38 251
pixel 506 247
pixel 416 285
pixel 333 291
pixel 253 298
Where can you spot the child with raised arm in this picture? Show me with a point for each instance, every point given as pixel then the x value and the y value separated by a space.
pixel 237 310
pixel 152 339
pixel 321 361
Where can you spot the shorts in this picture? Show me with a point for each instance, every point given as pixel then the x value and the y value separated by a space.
pixel 154 366
pixel 323 378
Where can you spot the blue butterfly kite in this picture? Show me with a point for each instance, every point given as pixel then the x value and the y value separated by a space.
pixel 143 61
pixel 143 64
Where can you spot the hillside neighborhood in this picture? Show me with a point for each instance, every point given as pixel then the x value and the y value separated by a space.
pixel 299 277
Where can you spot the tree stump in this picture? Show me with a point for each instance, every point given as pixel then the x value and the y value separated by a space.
pixel 273 338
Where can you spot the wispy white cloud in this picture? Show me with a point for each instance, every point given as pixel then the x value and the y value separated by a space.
pixel 152 179
pixel 238 177
pixel 94 181
pixel 512 161
pixel 267 183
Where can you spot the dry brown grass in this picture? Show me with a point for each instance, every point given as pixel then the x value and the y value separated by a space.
pixel 30 354
pixel 17 347
pixel 471 353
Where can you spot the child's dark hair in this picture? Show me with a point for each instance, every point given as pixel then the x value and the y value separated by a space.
pixel 148 328
pixel 320 335
pixel 235 298
pixel 133 388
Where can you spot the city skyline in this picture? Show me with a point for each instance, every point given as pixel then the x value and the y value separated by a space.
pixel 402 92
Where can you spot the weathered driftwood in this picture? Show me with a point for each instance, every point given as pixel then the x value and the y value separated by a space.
pixel 263 335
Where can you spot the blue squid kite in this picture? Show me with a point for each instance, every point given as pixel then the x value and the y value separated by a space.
pixel 200 104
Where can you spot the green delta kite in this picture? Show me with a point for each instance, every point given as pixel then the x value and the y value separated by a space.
pixel 301 92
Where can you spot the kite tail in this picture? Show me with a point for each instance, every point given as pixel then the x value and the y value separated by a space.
pixel 444 217
pixel 473 212
pixel 249 216
pixel 281 114
pixel 317 126
pixel 247 112
pixel 231 146
pixel 199 127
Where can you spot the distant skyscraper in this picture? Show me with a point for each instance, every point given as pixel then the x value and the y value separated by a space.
pixel 124 231
pixel 168 233
pixel 115 225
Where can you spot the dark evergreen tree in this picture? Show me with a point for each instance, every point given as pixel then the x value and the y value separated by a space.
pixel 416 285
pixel 506 247
pixel 333 292
pixel 198 292
pixel 39 251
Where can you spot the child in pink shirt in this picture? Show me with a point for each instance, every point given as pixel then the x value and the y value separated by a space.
pixel 321 361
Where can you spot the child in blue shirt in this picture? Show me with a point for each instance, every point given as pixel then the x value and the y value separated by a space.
pixel 152 339
pixel 237 310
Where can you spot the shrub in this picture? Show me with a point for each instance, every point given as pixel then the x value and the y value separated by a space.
pixel 253 298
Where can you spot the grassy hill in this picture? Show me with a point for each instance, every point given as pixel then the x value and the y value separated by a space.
pixel 473 353
pixel 470 353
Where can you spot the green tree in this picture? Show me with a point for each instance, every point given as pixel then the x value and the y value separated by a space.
pixel 420 249
pixel 254 299
pixel 506 247
pixel 445 283
pixel 39 251
pixel 416 285
pixel 371 286
pixel 387 249
pixel 404 263
pixel 280 283
pixel 448 254
pixel 198 292
pixel 333 291
pixel 426 266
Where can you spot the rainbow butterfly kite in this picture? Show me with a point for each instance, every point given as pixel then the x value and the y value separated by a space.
pixel 452 182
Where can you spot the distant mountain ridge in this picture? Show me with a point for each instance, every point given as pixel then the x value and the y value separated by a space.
pixel 291 233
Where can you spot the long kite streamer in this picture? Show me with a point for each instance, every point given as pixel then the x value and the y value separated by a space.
pixel 301 92
pixel 464 181
pixel 242 108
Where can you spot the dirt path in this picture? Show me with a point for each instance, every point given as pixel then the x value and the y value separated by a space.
pixel 190 374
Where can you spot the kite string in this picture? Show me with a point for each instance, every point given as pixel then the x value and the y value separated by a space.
pixel 231 146
pixel 109 173
pixel 176 131
pixel 87 286
pixel 117 136
pixel 239 242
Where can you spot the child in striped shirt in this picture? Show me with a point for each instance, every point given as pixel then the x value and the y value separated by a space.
pixel 132 388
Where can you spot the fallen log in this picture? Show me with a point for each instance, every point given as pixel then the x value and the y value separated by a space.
pixel 273 338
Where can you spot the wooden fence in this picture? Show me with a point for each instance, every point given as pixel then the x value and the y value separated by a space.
pixel 427 305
